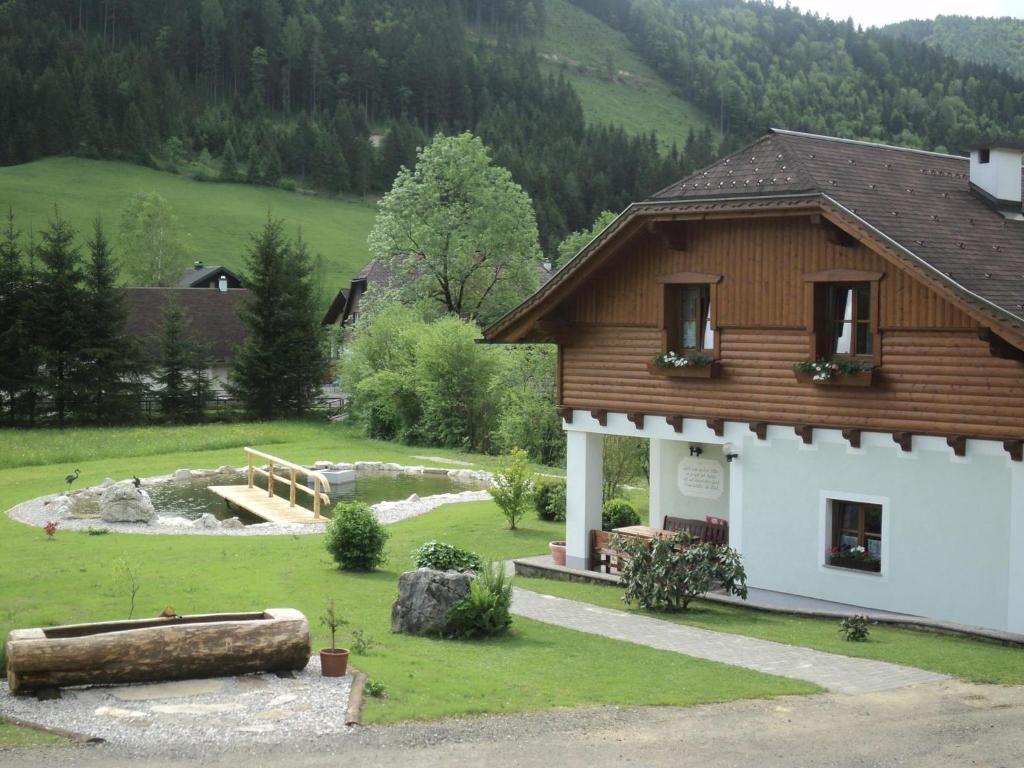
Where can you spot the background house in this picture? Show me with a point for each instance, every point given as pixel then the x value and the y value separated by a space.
pixel 202 276
pixel 897 485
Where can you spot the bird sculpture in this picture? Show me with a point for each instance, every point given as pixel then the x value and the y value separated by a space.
pixel 136 482
pixel 169 613
pixel 69 479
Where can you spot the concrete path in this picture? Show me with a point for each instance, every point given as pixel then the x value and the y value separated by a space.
pixel 842 674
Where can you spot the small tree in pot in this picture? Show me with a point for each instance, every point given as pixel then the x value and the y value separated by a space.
pixel 333 660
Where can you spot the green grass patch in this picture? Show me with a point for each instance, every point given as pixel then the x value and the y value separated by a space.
pixel 12 735
pixel 219 217
pixel 70 579
pixel 979 661
pixel 614 84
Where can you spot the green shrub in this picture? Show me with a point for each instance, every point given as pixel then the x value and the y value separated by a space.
pixel 512 488
pixel 355 538
pixel 666 574
pixel 375 688
pixel 618 513
pixel 445 557
pixel 549 500
pixel 855 628
pixel 484 612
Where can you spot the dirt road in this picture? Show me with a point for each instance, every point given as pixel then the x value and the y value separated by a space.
pixel 940 724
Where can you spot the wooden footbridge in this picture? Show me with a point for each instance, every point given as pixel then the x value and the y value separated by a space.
pixel 265 503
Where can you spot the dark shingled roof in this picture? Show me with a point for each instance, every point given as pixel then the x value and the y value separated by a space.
pixel 337 307
pixel 195 275
pixel 213 316
pixel 920 201
pixel 375 273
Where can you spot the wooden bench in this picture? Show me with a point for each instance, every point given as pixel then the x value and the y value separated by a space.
pixel 602 554
pixel 700 530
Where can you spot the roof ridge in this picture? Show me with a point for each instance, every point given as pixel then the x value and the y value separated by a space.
pixel 865 143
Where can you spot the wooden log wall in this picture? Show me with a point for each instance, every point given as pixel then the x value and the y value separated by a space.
pixel 936 376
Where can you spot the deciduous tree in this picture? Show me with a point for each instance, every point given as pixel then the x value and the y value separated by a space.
pixel 156 251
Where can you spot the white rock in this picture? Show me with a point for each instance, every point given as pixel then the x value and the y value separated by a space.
pixel 323 464
pixel 175 522
pixel 369 465
pixel 226 469
pixel 414 470
pixel 342 466
pixel 413 498
pixel 182 474
pixel 391 467
pixel 207 521
pixel 124 503
pixel 107 481
pixel 232 524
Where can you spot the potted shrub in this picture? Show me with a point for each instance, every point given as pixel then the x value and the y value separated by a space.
pixel 557 552
pixel 333 660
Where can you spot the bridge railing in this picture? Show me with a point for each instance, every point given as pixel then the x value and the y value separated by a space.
pixel 293 471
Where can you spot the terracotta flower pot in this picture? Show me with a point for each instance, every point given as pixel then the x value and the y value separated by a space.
pixel 333 662
pixel 557 552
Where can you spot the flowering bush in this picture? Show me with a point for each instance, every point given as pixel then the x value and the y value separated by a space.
pixel 672 360
pixel 826 370
pixel 50 528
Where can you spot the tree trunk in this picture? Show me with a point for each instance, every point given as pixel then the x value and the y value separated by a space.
pixel 204 645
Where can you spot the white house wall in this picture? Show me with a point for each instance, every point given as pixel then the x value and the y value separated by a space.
pixel 953 527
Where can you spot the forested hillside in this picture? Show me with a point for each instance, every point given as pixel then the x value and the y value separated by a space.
pixel 753 65
pixel 996 42
pixel 291 91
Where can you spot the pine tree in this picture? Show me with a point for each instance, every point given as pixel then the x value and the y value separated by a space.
pixel 330 171
pixel 176 358
pixel 229 163
pixel 136 135
pixel 108 378
pixel 254 173
pixel 59 305
pixel 279 368
pixel 17 361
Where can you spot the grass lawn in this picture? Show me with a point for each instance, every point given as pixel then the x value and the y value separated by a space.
pixel 582 46
pixel 219 217
pixel 69 579
pixel 975 660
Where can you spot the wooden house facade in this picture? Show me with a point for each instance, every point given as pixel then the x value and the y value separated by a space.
pixel 823 341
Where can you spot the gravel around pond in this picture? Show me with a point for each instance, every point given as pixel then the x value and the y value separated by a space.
pixel 54 508
pixel 212 714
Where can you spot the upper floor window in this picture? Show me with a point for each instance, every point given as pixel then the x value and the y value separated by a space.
pixel 689 312
pixel 849 317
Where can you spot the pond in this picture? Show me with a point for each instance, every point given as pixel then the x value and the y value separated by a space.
pixel 191 499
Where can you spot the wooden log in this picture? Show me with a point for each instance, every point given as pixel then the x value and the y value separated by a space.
pixel 147 650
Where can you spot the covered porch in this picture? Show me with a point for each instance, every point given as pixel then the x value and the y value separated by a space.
pixel 694 474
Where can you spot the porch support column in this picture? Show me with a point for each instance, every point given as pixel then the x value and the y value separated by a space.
pixel 1015 605
pixel 662 481
pixel 583 465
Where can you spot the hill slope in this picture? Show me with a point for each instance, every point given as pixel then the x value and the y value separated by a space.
pixel 998 42
pixel 219 217
pixel 614 84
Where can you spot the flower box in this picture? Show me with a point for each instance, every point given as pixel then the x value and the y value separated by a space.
pixel 858 379
pixel 685 372
pixel 855 564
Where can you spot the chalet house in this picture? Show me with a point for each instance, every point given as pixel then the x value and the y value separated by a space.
pixel 212 316
pixel 202 276
pixel 890 476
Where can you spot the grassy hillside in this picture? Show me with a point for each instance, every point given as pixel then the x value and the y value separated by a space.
pixel 998 42
pixel 614 85
pixel 219 217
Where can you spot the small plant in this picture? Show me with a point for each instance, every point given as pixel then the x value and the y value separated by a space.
pixel 672 360
pixel 361 643
pixel 512 489
pixel 331 619
pixel 375 688
pixel 50 528
pixel 549 500
pixel 98 531
pixel 854 629
pixel 126 575
pixel 484 612
pixel 355 538
pixel 826 370
pixel 445 557
pixel 667 574
pixel 618 513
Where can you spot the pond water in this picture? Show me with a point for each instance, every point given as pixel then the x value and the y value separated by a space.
pixel 191 499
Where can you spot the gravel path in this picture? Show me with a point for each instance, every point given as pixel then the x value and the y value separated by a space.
pixel 842 674
pixel 214 714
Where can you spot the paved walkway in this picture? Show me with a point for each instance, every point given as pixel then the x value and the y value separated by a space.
pixel 843 674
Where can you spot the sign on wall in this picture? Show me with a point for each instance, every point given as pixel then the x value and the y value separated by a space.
pixel 701 478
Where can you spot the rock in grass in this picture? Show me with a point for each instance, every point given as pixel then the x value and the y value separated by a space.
pixel 424 597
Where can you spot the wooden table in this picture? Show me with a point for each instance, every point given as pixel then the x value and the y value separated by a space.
pixel 644 532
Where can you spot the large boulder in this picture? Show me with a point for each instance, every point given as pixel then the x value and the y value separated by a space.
pixel 424 597
pixel 124 503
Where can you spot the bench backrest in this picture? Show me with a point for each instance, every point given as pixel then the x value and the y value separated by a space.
pixel 699 529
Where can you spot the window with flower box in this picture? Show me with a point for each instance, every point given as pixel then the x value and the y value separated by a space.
pixel 856 535
pixel 689 343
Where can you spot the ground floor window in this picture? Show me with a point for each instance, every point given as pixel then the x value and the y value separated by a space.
pixel 856 535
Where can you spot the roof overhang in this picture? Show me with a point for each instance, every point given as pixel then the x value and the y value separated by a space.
pixel 526 322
